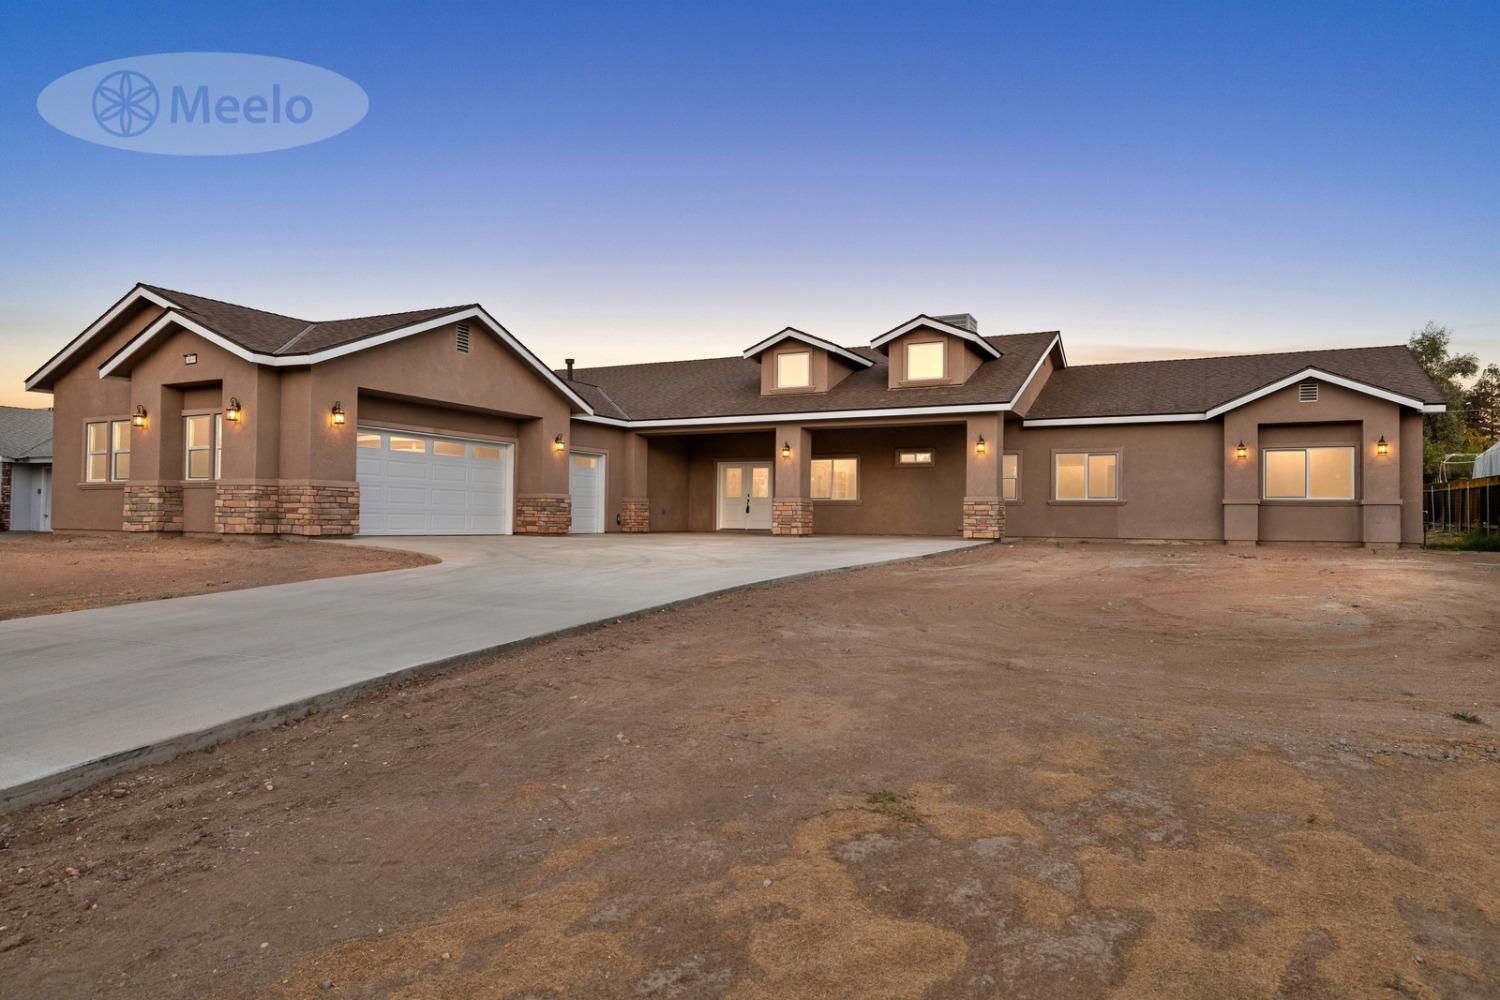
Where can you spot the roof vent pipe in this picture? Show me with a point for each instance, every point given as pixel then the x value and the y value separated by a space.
pixel 569 363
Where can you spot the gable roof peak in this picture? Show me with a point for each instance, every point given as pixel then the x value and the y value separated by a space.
pixel 754 351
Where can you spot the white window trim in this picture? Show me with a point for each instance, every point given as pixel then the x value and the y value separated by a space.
pixel 942 347
pixel 831 499
pixel 1307 471
pixel 1017 477
pixel 215 447
pixel 1087 498
pixel 115 453
pixel 806 383
pixel 89 452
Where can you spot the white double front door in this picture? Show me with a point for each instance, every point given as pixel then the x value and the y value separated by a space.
pixel 744 496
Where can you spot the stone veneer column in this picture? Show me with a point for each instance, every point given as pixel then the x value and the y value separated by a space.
pixel 152 507
pixel 247 508
pixel 635 515
pixel 791 500
pixel 984 504
pixel 544 514
pixel 319 509
pixel 635 505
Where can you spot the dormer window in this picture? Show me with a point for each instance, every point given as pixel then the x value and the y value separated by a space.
pixel 925 361
pixel 794 370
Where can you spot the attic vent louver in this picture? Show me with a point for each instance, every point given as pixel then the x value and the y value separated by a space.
pixel 461 338
pixel 1307 391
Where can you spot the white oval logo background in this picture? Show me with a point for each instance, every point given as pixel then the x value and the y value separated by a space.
pixel 203 103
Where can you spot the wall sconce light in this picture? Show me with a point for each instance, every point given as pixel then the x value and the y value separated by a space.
pixel 1381 448
pixel 1240 451
pixel 233 410
pixel 786 449
pixel 557 444
pixel 338 414
pixel 138 418
pixel 980 447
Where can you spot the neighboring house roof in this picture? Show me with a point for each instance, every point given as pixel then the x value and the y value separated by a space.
pixel 25 434
pixel 1204 387
pixel 730 387
pixel 792 333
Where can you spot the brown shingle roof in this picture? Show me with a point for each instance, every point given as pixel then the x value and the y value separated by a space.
pixel 722 387
pixel 1196 385
pixel 272 333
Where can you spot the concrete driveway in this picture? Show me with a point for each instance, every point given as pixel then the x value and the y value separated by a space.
pixel 89 693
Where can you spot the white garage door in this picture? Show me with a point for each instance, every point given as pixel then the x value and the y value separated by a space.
pixel 417 484
pixel 586 486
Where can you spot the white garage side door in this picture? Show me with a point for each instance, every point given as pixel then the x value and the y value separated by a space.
pixel 586 486
pixel 419 484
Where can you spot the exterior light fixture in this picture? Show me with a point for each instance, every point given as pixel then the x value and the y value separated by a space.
pixel 1381 448
pixel 233 410
pixel 338 414
pixel 1240 451
pixel 786 449
pixel 557 444
pixel 138 418
pixel 980 447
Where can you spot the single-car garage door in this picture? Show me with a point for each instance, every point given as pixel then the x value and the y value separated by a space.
pixel 420 484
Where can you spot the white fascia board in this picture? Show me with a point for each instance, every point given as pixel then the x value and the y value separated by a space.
pixel 1056 342
pixel 938 325
pixel 296 360
pixel 793 334
pixel 773 418
pixel 1434 407
pixel 1306 373
pixel 135 295
pixel 1150 418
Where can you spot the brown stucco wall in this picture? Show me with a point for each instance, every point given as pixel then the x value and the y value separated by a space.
pixel 961 359
pixel 895 500
pixel 1171 482
pixel 825 371
pixel 1379 514
pixel 78 397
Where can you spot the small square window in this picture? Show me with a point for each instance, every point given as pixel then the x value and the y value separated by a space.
pixel 794 370
pixel 448 449
pixel 925 362
pixel 402 443
pixel 368 439
pixel 919 458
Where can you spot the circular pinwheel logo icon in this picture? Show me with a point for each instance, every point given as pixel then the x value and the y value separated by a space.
pixel 126 103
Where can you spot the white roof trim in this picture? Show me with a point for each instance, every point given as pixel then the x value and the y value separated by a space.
pixel 984 346
pixel 792 333
pixel 135 295
pixel 1222 408
pixel 1305 373
pixel 772 418
pixel 1056 342
pixel 316 357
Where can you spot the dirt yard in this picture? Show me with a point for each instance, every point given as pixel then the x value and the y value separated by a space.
pixel 1019 772
pixel 43 574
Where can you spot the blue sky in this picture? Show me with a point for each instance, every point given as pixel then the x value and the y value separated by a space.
pixel 650 181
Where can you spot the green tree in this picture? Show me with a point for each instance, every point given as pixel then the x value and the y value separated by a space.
pixel 1443 433
pixel 1482 405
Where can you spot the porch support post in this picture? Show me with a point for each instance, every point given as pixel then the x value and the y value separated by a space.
pixel 635 504
pixel 1381 504
pixel 984 503
pixel 543 504
pixel 791 500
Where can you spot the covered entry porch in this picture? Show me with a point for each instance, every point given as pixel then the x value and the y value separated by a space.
pixel 935 477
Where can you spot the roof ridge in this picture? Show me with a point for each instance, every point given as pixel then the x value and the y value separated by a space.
pixel 1228 357
pixel 296 337
pixel 401 312
pixel 222 302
